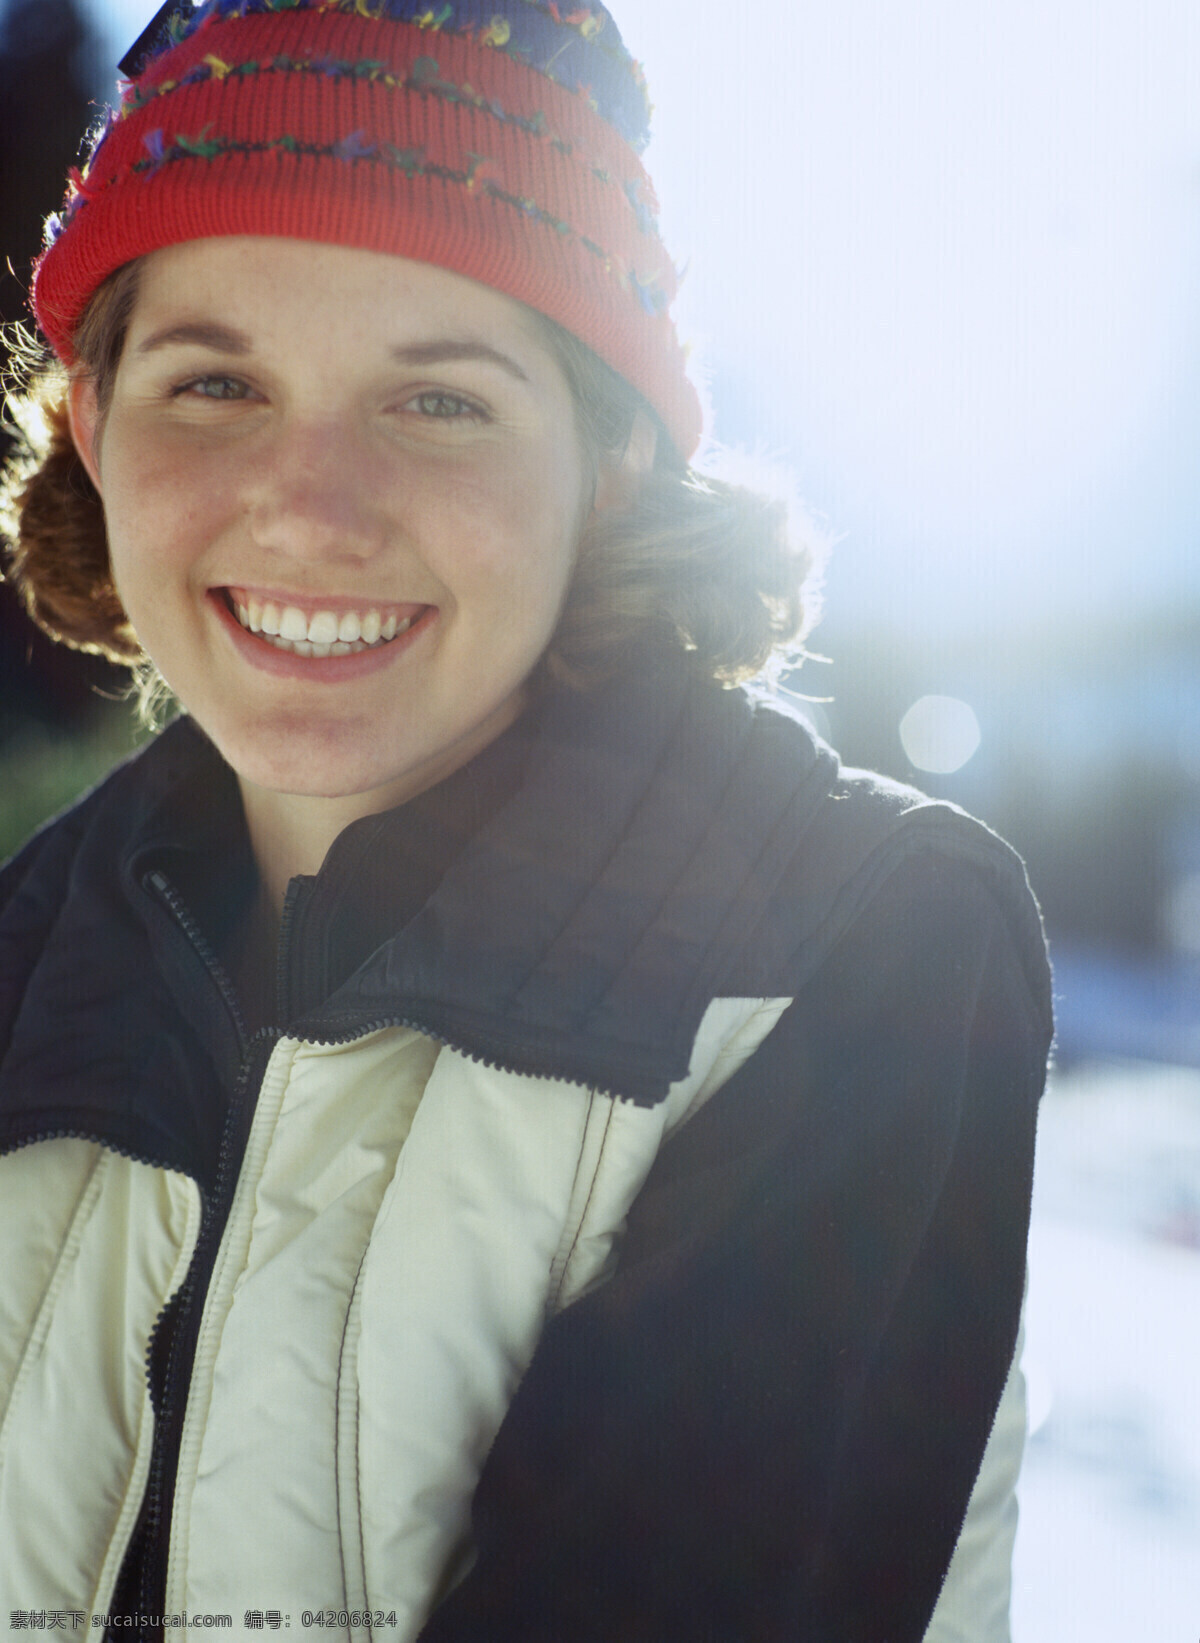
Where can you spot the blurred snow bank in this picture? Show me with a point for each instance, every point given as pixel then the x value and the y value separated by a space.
pixel 1108 1549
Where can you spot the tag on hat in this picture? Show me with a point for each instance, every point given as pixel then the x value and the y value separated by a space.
pixel 152 38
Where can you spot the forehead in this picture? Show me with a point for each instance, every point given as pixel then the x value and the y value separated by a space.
pixel 281 289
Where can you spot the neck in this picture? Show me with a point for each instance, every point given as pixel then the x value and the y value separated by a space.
pixel 291 833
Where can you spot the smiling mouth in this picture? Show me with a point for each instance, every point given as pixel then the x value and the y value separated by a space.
pixel 318 633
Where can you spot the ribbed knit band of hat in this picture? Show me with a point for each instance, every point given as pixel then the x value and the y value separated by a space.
pixel 499 139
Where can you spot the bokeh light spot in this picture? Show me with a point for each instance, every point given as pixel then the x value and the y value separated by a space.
pixel 939 734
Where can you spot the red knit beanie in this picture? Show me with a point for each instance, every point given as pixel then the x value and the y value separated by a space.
pixel 496 138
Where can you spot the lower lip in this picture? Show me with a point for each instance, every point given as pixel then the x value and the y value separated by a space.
pixel 325 670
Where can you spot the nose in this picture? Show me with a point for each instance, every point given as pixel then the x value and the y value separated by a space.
pixel 310 496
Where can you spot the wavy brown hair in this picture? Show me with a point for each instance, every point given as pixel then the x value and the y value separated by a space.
pixel 50 511
pixel 687 561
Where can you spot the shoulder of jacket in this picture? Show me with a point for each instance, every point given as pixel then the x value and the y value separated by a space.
pixel 74 860
pixel 41 868
pixel 46 860
pixel 857 832
pixel 855 820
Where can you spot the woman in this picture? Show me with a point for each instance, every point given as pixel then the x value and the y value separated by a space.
pixel 503 1137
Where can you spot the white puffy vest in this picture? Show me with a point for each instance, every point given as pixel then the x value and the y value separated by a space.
pixel 404 1222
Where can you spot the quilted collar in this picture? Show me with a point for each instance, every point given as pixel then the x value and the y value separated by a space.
pixel 580 932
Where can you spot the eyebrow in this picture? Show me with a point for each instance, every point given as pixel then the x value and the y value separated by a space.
pixel 444 350
pixel 224 339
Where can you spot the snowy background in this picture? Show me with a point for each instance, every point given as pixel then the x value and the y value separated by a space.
pixel 1108 1549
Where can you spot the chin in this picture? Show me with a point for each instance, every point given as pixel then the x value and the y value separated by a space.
pixel 312 765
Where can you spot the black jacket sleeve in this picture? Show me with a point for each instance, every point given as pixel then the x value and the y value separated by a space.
pixel 767 1425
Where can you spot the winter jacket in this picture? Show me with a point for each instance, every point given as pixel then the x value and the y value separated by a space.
pixel 620 1237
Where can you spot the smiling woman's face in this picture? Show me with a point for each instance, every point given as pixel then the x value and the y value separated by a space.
pixel 343 495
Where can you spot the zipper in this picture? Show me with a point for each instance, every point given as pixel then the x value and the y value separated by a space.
pixel 256 1049
pixel 151 1580
pixel 131 1511
pixel 153 1575
pixel 297 891
pixel 178 908
pixel 500 1054
pixel 85 1135
pixel 364 1029
pixel 287 994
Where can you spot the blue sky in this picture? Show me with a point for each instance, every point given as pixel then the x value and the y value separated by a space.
pixel 943 263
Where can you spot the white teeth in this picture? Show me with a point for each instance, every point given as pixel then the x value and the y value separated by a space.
pixel 293 624
pixel 323 634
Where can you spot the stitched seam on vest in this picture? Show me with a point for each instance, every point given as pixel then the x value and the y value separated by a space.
pixel 553 1299
pixel 342 1380
pixel 80 1216
pixel 239 1226
pixel 132 1504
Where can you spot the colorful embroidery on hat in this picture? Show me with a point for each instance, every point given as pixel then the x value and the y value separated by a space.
pixel 424 77
pixel 358 148
pixel 580 49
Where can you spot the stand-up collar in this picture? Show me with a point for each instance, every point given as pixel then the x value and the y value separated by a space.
pixel 584 930
pixel 627 845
